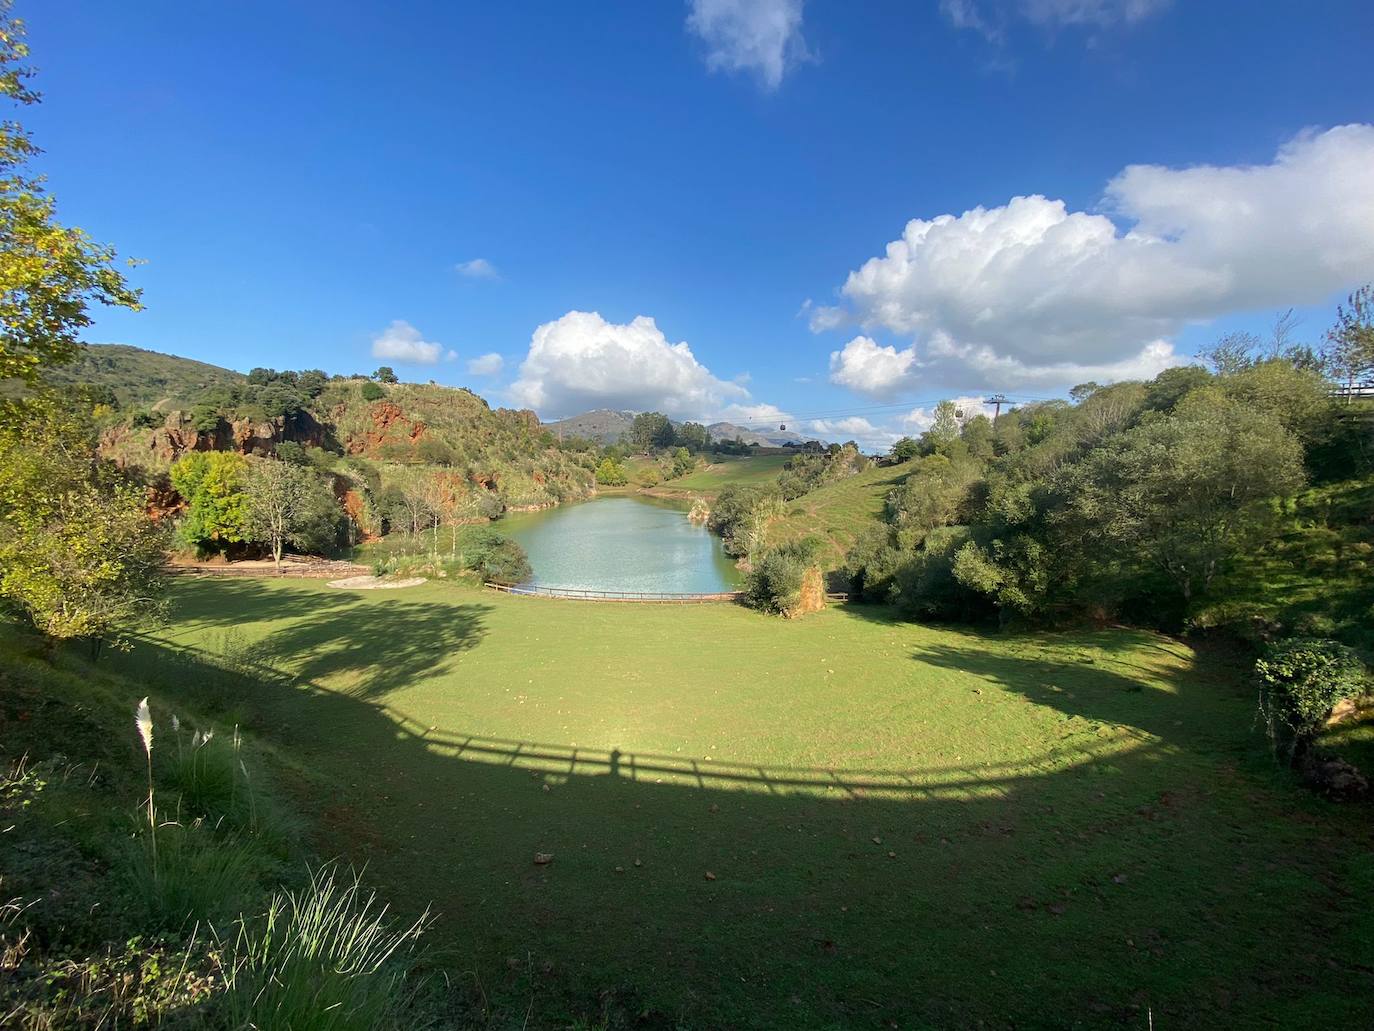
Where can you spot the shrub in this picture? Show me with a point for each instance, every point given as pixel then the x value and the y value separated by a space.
pixel 611 473
pixel 504 563
pixel 372 392
pixel 781 579
pixel 1302 679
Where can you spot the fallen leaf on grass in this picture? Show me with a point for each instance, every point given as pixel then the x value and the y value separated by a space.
pixel 543 858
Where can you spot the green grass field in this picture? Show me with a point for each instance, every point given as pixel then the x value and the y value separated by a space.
pixel 726 470
pixel 838 512
pixel 842 821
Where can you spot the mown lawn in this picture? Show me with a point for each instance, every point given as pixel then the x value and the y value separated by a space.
pixel 842 821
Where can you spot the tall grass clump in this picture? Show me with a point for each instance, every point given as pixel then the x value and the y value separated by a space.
pixel 325 958
pixel 194 874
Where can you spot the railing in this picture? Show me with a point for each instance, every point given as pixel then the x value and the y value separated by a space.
pixel 1353 391
pixel 580 594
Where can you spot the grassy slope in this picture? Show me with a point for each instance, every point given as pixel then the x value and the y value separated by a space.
pixel 140 377
pixel 718 474
pixel 902 823
pixel 838 512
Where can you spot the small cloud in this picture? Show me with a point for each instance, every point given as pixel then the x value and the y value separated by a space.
pixel 760 36
pixel 477 268
pixel 486 365
pixel 402 342
pixel 820 317
pixel 451 355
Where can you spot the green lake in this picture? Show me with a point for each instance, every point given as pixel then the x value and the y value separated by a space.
pixel 626 543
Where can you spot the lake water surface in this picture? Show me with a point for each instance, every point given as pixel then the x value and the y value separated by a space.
pixel 627 543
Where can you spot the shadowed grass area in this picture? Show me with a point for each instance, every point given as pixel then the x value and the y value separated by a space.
pixel 833 822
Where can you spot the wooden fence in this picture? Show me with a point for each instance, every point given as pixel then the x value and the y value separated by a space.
pixel 651 597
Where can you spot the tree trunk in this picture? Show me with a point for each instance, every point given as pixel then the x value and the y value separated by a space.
pixel 276 554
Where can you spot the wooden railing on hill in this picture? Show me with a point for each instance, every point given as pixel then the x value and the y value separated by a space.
pixel 580 594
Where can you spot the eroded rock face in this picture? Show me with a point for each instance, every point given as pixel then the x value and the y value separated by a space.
pixel 177 435
pixel 390 425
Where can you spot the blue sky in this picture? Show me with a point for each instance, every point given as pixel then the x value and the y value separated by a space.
pixel 305 182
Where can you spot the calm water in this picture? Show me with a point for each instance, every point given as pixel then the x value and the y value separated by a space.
pixel 630 543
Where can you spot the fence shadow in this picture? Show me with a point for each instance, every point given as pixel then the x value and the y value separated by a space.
pixel 1078 885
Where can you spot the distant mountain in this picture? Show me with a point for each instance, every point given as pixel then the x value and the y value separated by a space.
pixel 603 425
pixel 763 438
pixel 143 378
pixel 608 427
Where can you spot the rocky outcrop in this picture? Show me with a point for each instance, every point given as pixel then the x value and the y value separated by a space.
pixel 388 426
pixel 178 435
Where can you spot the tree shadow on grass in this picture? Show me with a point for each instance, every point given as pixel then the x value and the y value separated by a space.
pixel 1048 889
pixel 369 647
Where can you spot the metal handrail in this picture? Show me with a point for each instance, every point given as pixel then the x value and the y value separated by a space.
pixel 589 594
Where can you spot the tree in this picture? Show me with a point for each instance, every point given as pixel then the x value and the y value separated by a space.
pixel 213 484
pixel 372 392
pixel 694 437
pixel 611 473
pixel 905 449
pixel 1233 352
pixel 943 432
pixel 683 463
pixel 385 375
pixel 78 553
pixel 1350 342
pixel 1187 493
pixel 650 430
pixel 49 274
pixel 285 506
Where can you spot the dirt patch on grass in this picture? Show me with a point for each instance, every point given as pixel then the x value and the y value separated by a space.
pixel 376 583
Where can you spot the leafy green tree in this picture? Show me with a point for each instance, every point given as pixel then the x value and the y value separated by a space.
pixel 1187 493
pixel 684 462
pixel 943 432
pixel 979 438
pixel 79 554
pixel 385 374
pixel 372 392
pixel 905 449
pixel 1350 342
pixel 214 486
pixel 611 473
pixel 288 505
pixel 694 437
pixel 650 430
pixel 280 399
pixel 312 382
pixel 49 273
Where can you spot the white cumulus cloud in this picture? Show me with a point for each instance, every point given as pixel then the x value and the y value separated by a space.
pixel 486 364
pixel 477 268
pixel 581 361
pixel 1031 292
pixel 759 36
pixel 402 342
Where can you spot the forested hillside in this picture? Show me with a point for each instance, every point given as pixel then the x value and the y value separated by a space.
pixel 394 454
